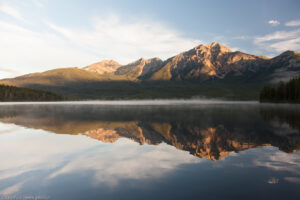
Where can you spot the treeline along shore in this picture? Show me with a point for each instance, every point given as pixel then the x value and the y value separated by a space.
pixel 11 93
pixel 288 92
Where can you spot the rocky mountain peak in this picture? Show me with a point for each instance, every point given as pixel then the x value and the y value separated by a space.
pixel 153 60
pixel 287 53
pixel 147 61
pixel 140 60
pixel 103 67
pixel 212 50
pixel 140 67
pixel 287 56
pixel 217 47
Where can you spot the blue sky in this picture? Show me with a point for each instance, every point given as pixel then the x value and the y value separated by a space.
pixel 38 35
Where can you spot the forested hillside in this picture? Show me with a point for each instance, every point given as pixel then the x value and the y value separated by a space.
pixel 10 93
pixel 283 92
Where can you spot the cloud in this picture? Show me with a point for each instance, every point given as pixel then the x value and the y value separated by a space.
pixel 38 3
pixel 293 23
pixel 153 162
pixel 70 152
pixel 12 189
pixel 103 38
pixel 292 179
pixel 291 44
pixel 279 161
pixel 5 72
pixel 241 37
pixel 279 35
pixel 274 22
pixel 113 38
pixel 273 180
pixel 279 41
pixel 11 12
pixel 8 128
pixel 30 51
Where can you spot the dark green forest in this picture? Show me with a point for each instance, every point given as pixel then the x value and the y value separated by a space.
pixel 10 93
pixel 283 92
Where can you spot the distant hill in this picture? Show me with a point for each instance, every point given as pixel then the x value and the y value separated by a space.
pixel 10 93
pixel 211 70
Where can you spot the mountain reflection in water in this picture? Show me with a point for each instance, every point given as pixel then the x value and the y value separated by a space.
pixel 206 131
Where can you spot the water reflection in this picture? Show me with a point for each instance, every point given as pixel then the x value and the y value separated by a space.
pixel 210 131
pixel 150 152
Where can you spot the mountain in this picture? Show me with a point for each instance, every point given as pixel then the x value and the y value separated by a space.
pixel 133 71
pixel 285 66
pixel 211 70
pixel 103 67
pixel 204 62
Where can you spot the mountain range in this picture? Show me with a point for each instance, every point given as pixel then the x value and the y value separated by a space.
pixel 211 70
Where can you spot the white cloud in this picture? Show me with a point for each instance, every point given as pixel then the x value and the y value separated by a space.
pixel 279 41
pixel 8 128
pixel 279 161
pixel 156 161
pixel 293 23
pixel 274 22
pixel 241 37
pixel 75 154
pixel 38 3
pixel 234 49
pixel 114 39
pixel 291 44
pixel 29 51
pixel 279 35
pixel 12 189
pixel 11 12
pixel 292 179
pixel 5 72
pixel 273 180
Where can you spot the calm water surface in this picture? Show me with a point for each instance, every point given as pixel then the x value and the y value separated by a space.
pixel 150 150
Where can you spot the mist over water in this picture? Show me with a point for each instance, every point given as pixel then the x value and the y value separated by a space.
pixel 162 149
pixel 136 102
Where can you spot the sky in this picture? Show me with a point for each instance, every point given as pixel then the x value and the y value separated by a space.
pixel 39 35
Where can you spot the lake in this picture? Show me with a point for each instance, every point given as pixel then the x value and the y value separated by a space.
pixel 149 150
